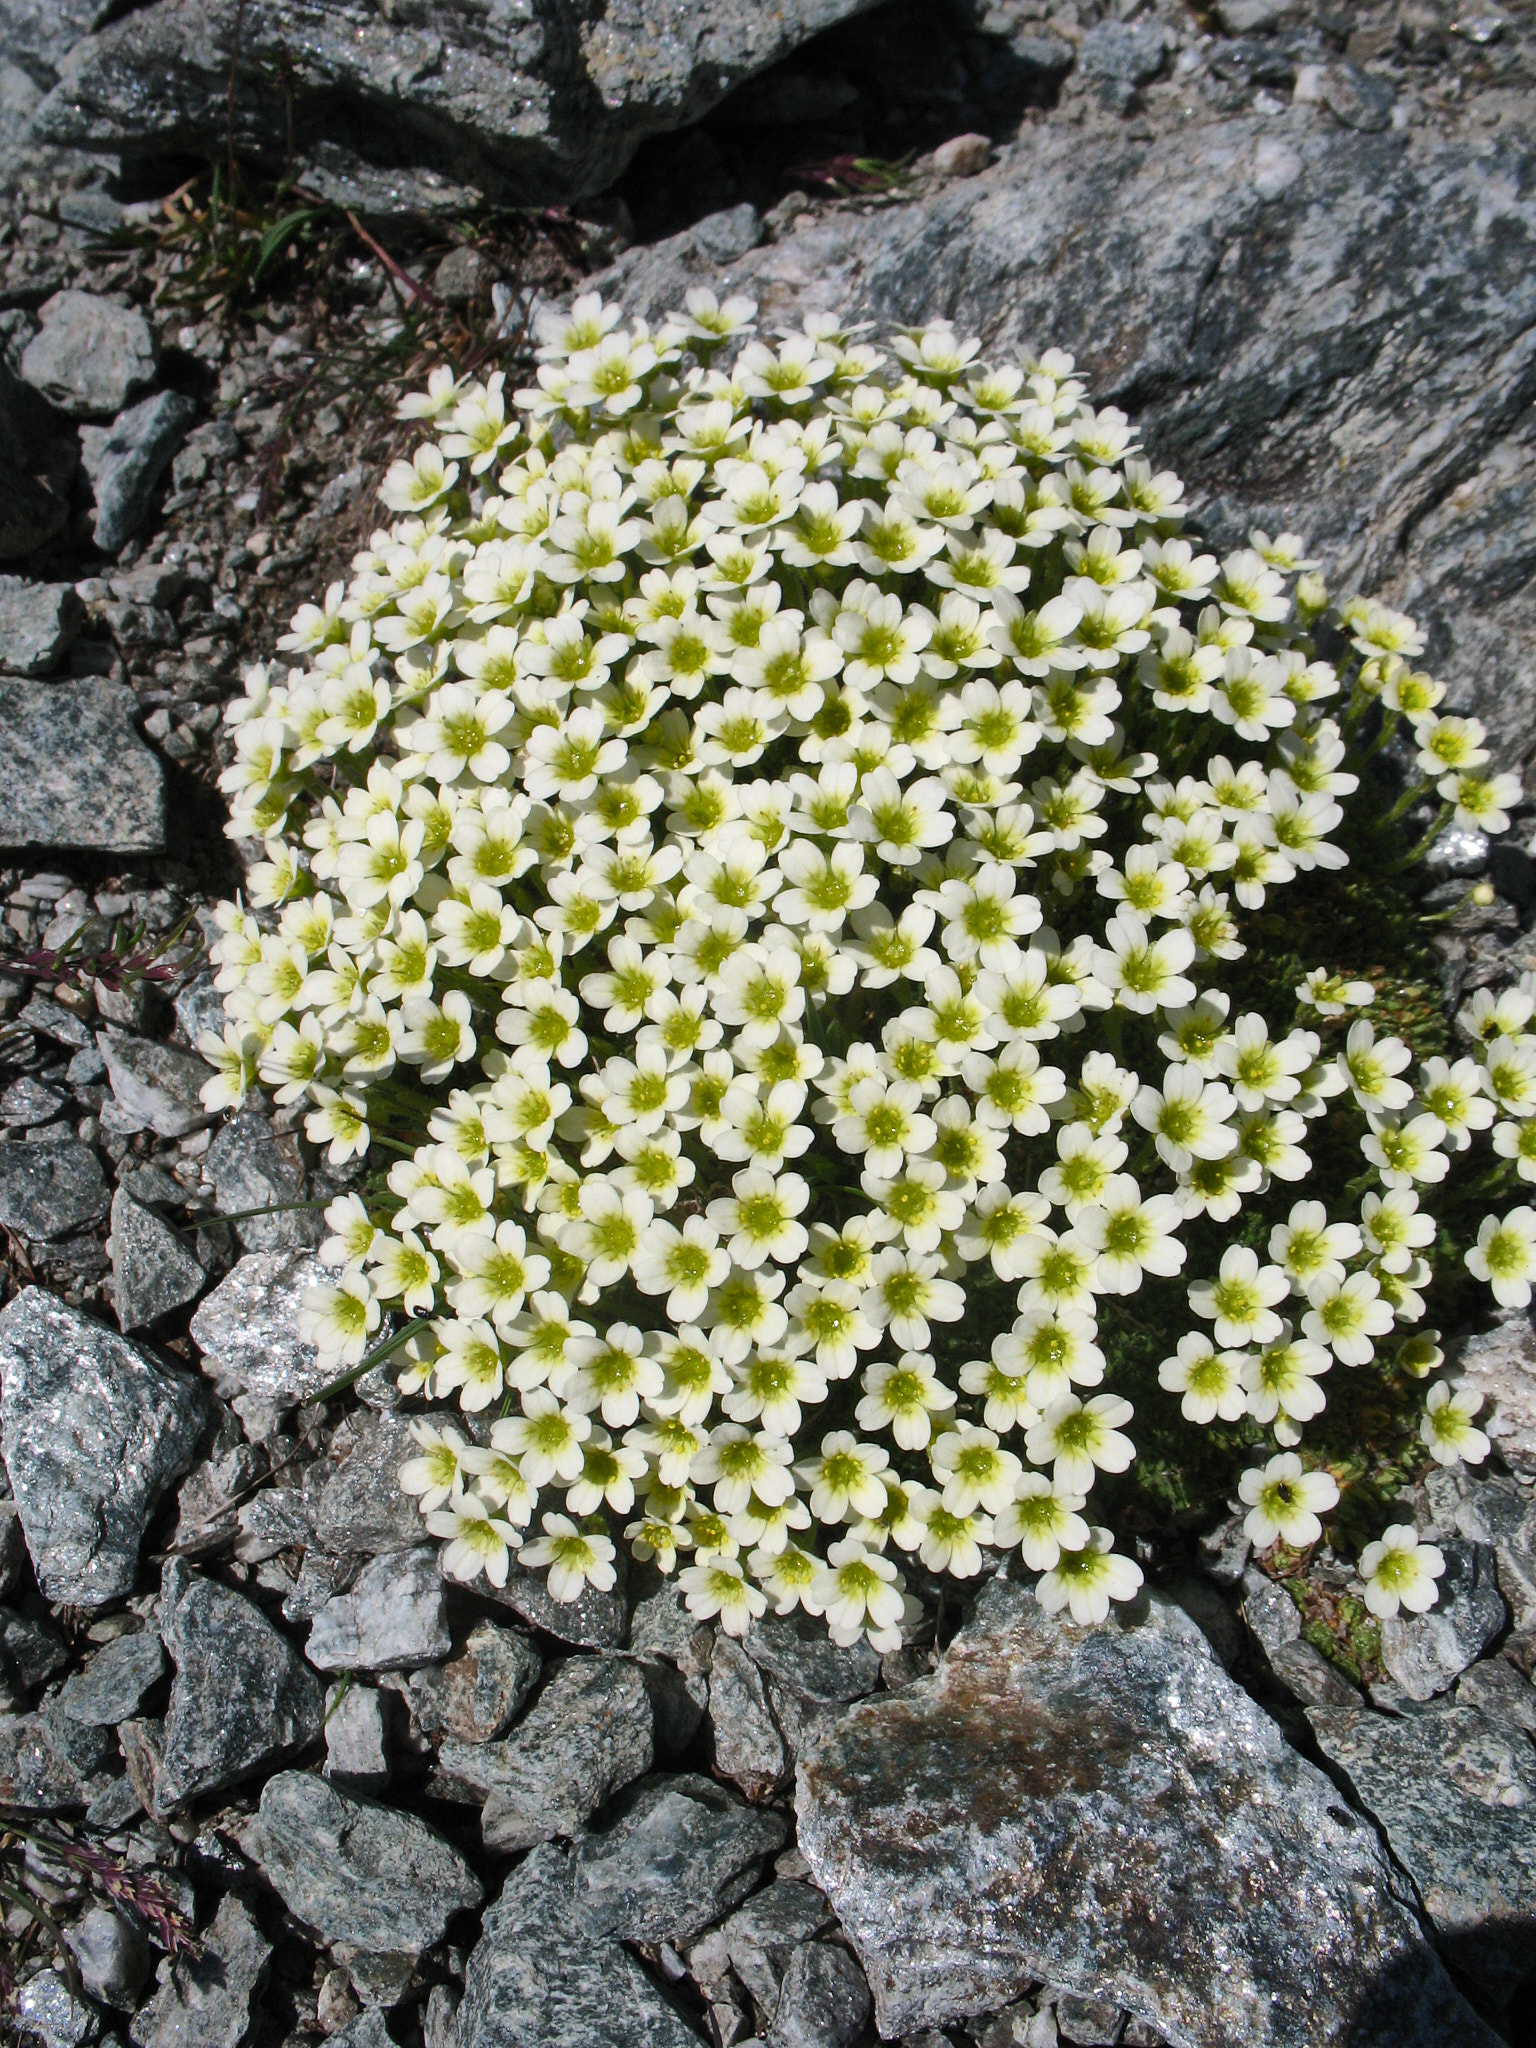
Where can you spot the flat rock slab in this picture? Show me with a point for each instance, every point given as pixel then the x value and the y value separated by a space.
pixel 73 770
pixel 1282 313
pixel 1104 1810
pixel 242 1697
pixel 159 1084
pixel 673 1855
pixel 248 1329
pixel 94 1429
pixel 50 1187
pixel 1454 1788
pixel 538 1978
pixel 369 1875
pixel 393 1619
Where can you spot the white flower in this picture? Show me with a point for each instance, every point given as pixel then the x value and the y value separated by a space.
pixel 1078 1438
pixel 1447 1428
pixel 1400 1571
pixel 1241 1299
pixel 1084 1581
pixel 576 1559
pixel 1505 1256
pixel 1284 1502
pixel 1210 1381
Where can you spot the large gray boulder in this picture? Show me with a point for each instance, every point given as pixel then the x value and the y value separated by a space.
pixel 1319 329
pixel 1102 1808
pixel 539 103
pixel 73 771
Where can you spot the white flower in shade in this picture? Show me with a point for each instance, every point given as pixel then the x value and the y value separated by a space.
pixel 1447 1428
pixel 1085 1581
pixel 721 1589
pixel 1505 1256
pixel 1400 1571
pixel 576 1559
pixel 1284 1502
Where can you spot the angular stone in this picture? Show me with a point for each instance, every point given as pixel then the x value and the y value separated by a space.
pixel 126 461
pixel 48 2011
pixel 533 108
pixel 394 1618
pixel 477 1696
pixel 760 1937
pixel 251 1168
pixel 159 1084
pixel 1297 386
pixel 111 1954
pixel 73 771
pixel 369 1875
pixel 49 1763
pixel 208 2001
pixel 1103 1809
pixel 277 1519
pixel 112 1686
pixel 354 1738
pixel 89 356
pixel 1427 1653
pixel 1500 1691
pixel 94 1430
pixel 363 1509
pixel 539 1978
pixel 1500 1366
pixel 30 1651
pixel 1453 1789
pixel 38 623
pixel 672 1855
pixel 1123 53
pixel 199 1007
pixel 1502 1513
pixel 152 1270
pixel 242 1697
pixel 597 1621
pixel 368 2030
pixel 248 1330
pixel 823 2002
pixel 589 1733
pixel 749 1750
pixel 797 1651
pixel 50 1188
pixel 27 1101
pixel 662 1627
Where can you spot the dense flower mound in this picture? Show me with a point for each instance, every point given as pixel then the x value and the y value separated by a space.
pixel 763 847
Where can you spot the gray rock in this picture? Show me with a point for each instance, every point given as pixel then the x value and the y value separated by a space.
pixel 354 1737
pixel 30 1651
pixel 27 1101
pixel 589 1733
pixel 1225 1550
pixel 1427 1653
pixel 241 1699
pixel 797 1651
pixel 1123 54
pixel 1087 2021
pixel 377 1878
pixel 532 108
pixel 394 1618
pixel 538 1978
pixel 823 2002
pixel 73 771
pixel 477 1696
pixel 113 1685
pixel 439 2017
pixel 362 1508
pixel 48 2011
pixel 673 1855
pixel 50 1188
pixel 38 33
pixel 464 276
pixel 38 624
pixel 597 1621
pixel 39 454
pixel 661 1626
pixel 1254 17
pixel 115 1805
pixel 1274 1621
pixel 1210 1612
pixel 51 1020
pixel 276 1520
pixel 126 461
pixel 368 2030
pixel 1453 1790
pixel 1360 99
pixel 111 1954
pixel 1502 1513
pixel 760 1937
pixel 1500 1365
pixel 252 1168
pixel 94 1430
pixel 152 1270
pixel 722 237
pixel 248 1330
pixel 159 1084
pixel 199 1007
pixel 208 2001
pixel 1295 389
pixel 1501 1692
pixel 1103 1809
pixel 89 356
pixel 49 1763
pixel 749 1750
